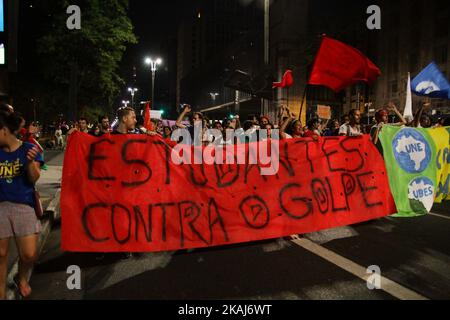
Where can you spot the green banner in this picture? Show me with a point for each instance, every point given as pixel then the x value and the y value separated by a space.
pixel 441 138
pixel 410 155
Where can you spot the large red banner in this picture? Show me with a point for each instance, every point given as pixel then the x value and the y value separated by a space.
pixel 124 193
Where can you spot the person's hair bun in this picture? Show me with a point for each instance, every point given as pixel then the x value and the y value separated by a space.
pixel 10 120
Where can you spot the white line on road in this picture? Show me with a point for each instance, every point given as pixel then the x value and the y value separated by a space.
pixel 389 286
pixel 439 215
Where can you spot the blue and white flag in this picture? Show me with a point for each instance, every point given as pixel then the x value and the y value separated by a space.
pixel 431 82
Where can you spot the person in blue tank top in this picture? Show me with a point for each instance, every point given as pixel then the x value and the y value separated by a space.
pixel 20 165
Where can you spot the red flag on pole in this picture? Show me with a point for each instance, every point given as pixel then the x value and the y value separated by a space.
pixel 286 82
pixel 147 119
pixel 338 66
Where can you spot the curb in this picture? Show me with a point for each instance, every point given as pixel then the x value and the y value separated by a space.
pixel 52 213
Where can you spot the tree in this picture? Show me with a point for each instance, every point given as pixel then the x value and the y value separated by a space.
pixel 86 61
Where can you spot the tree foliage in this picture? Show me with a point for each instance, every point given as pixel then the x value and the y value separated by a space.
pixel 96 49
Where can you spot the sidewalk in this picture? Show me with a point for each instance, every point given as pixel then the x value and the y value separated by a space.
pixel 49 187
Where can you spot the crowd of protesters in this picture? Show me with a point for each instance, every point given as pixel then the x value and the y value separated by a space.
pixel 233 129
pixel 290 126
pixel 21 156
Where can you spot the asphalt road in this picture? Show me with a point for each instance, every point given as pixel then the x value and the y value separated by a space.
pixel 50 154
pixel 413 253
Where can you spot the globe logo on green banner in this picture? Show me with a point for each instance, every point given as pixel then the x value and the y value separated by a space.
pixel 411 150
pixel 421 194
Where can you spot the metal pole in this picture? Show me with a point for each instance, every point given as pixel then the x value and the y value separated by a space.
pixel 153 87
pixel 287 100
pixel 132 98
pixel 266 31
pixel 303 103
pixel 236 102
pixel 357 101
pixel 266 43
pixel 368 115
pixel 34 109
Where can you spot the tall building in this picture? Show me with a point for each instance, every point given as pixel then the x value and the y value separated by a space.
pixel 167 77
pixel 8 42
pixel 216 39
pixel 414 33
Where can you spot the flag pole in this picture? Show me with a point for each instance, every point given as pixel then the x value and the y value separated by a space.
pixel 303 102
pixel 273 98
pixel 321 36
pixel 287 100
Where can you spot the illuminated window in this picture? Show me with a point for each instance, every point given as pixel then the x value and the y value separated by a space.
pixel 2 26
pixel 2 54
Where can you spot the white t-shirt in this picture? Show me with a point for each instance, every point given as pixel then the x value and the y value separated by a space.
pixel 349 131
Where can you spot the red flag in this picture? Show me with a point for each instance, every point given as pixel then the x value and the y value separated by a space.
pixel 28 137
pixel 147 119
pixel 112 217
pixel 338 66
pixel 286 82
pixel 37 144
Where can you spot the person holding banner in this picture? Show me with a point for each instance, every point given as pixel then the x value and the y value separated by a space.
pixel 103 123
pixel 382 118
pixel 422 120
pixel 20 165
pixel 127 123
pixel 196 120
pixel 82 126
pixel 333 129
pixel 291 127
pixel 353 128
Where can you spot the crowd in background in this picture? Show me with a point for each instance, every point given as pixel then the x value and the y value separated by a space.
pixel 21 155
pixel 288 124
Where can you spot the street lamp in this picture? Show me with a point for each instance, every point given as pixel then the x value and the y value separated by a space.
pixel 213 96
pixel 153 63
pixel 132 91
pixel 125 103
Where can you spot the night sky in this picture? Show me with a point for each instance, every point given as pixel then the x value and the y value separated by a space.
pixel 154 21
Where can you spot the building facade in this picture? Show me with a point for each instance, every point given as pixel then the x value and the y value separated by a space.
pixel 229 57
pixel 414 33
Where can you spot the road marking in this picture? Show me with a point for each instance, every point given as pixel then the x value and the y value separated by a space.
pixel 389 286
pixel 439 215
